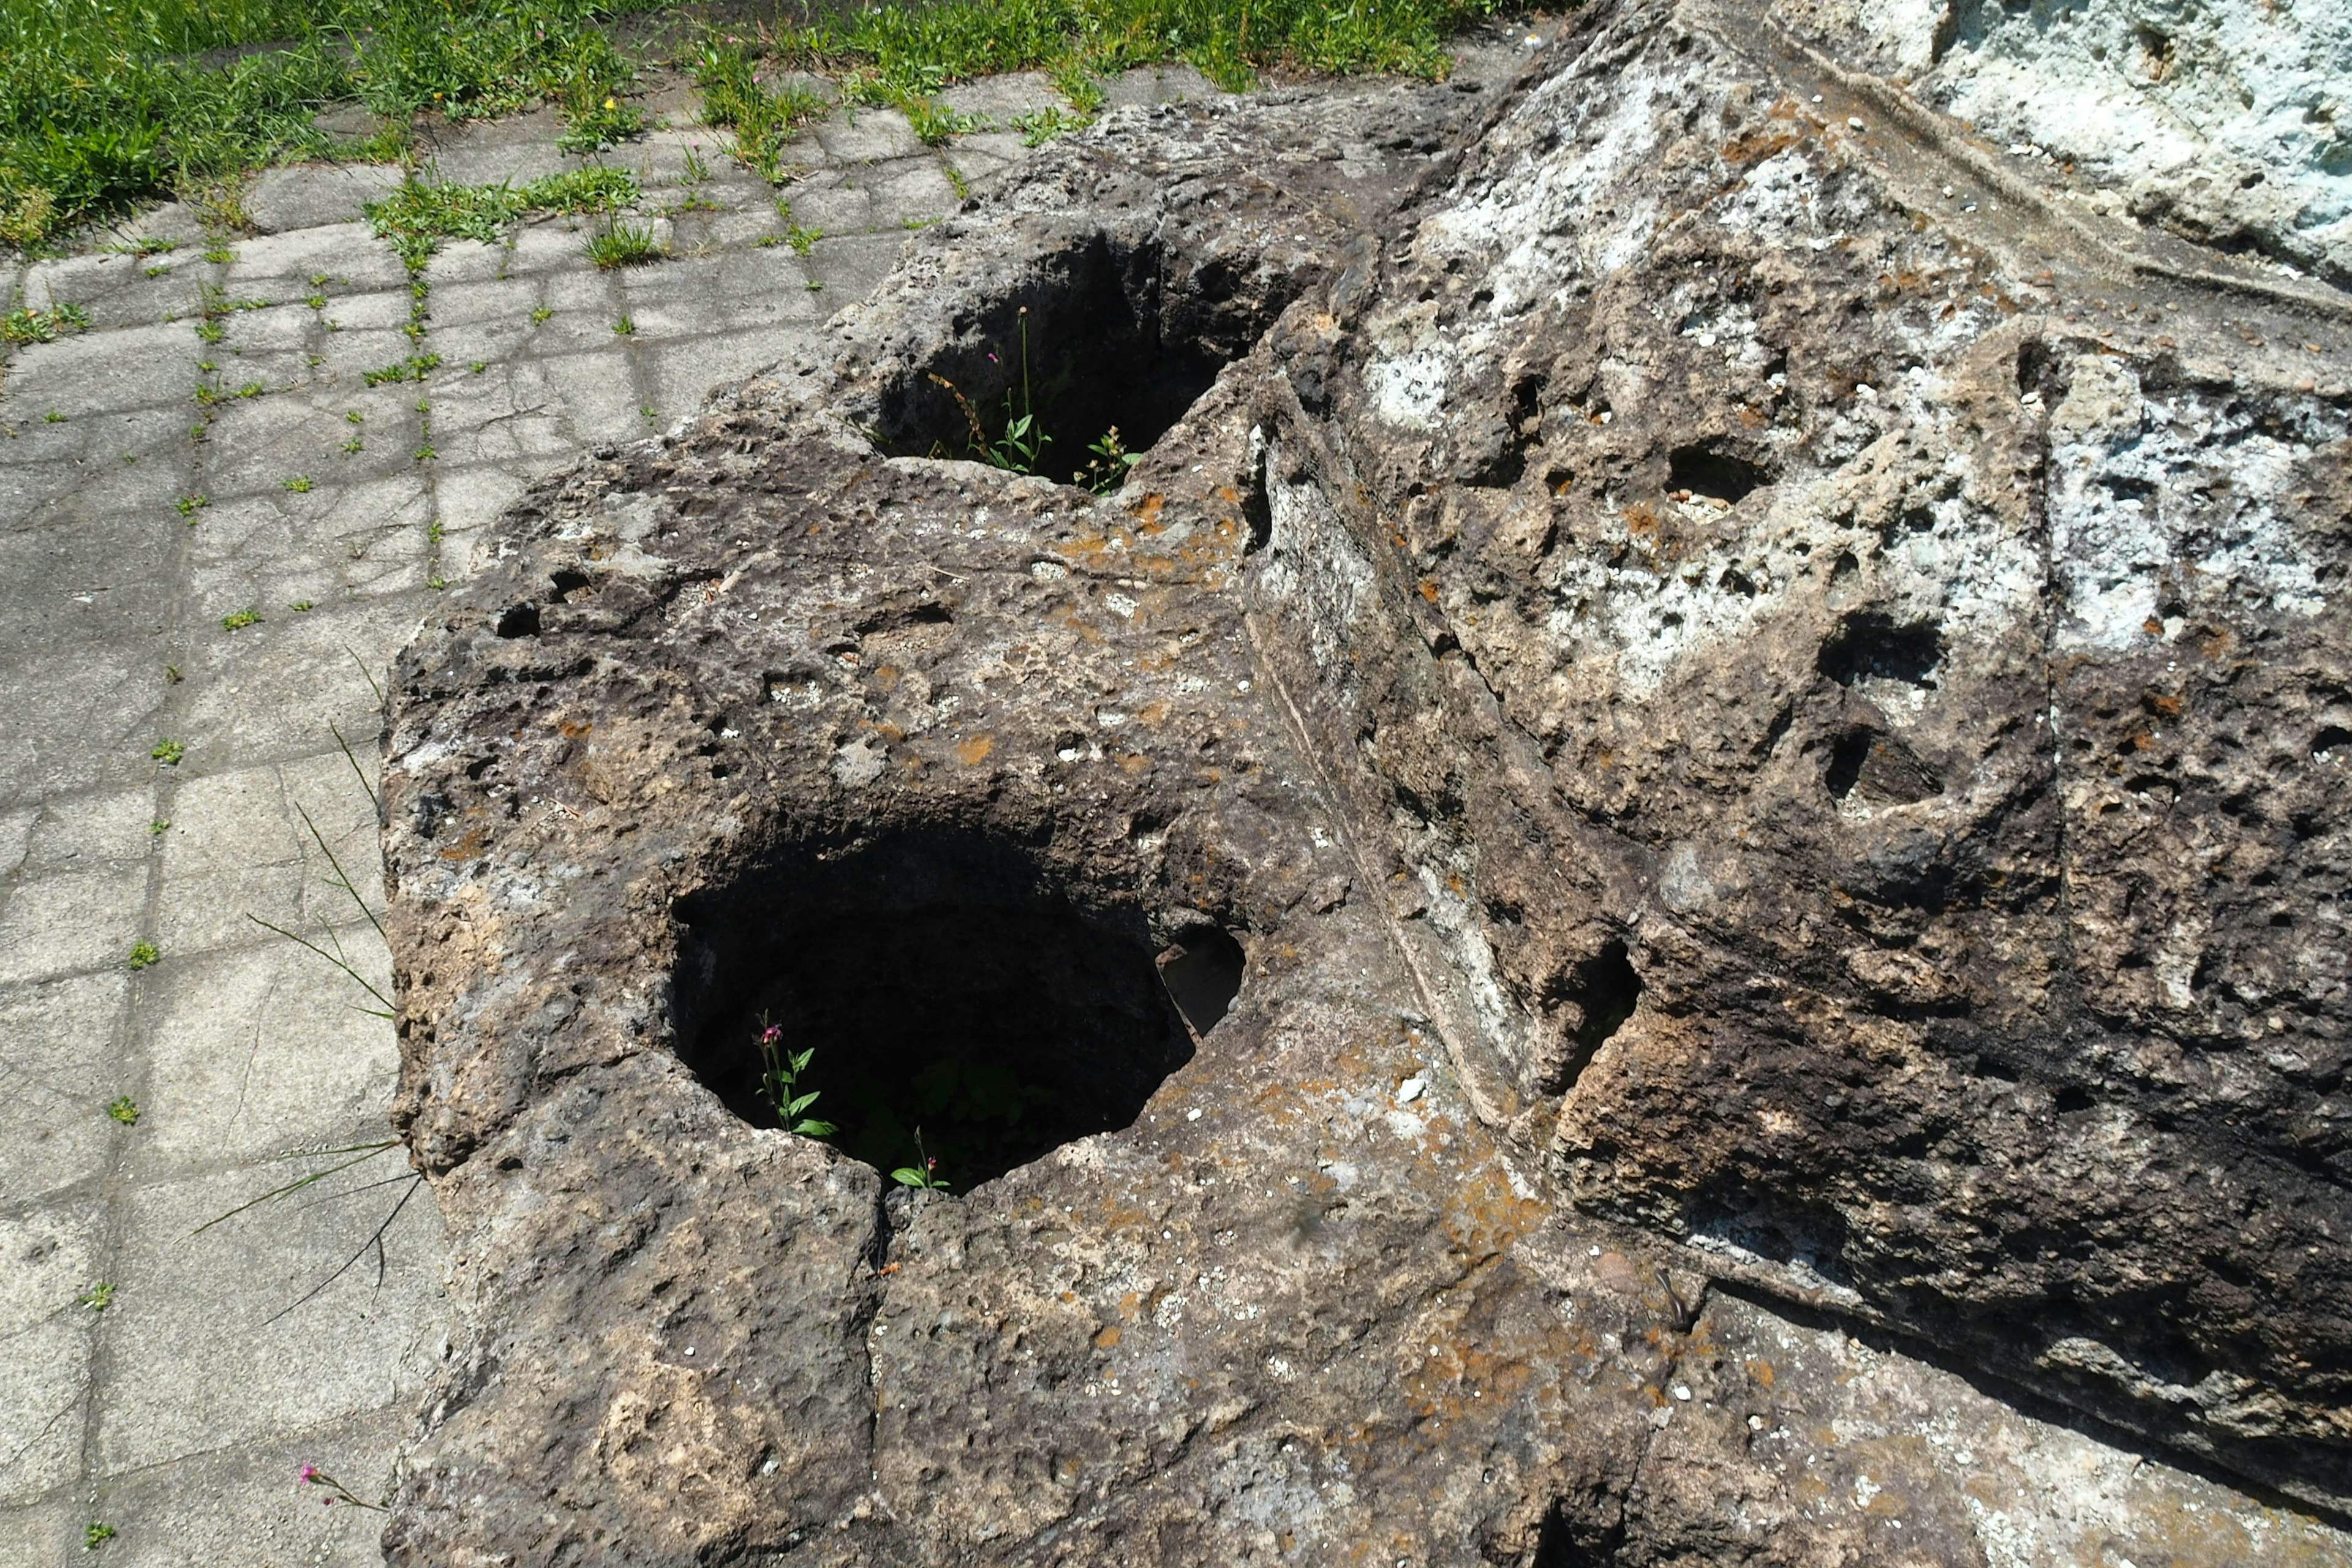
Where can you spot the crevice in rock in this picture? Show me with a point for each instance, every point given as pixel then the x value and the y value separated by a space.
pixel 957 1006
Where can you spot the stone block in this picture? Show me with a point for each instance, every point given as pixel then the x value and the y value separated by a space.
pixel 71 923
pixel 248 1506
pixel 258 1051
pixel 867 136
pixel 62 1069
pixel 48 1257
pixel 211 1341
pixel 315 195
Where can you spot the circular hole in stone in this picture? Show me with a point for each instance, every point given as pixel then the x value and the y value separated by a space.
pixel 1098 336
pixel 944 989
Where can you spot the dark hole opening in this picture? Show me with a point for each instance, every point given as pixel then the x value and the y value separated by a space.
pixel 955 994
pixel 1204 974
pixel 1708 470
pixel 1105 349
pixel 519 621
pixel 1847 754
pixel 1870 644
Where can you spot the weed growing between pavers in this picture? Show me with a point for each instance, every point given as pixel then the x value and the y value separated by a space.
pixel 419 215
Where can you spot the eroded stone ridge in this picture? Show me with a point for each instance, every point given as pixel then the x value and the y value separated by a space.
pixel 1765 731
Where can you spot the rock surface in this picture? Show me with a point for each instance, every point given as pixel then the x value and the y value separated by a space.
pixel 1757 694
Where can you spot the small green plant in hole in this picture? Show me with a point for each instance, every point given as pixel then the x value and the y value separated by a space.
pixel 52 417
pixel 924 1175
pixel 98 1298
pixel 218 255
pixel 157 271
pixel 250 389
pixel 210 330
pixel 298 606
pixel 814 285
pixel 1106 471
pixel 780 1083
pixel 541 314
pixel 239 620
pixel 353 417
pixel 300 484
pixel 480 365
pixel 955 177
pixel 353 445
pixel 626 326
pixel 765 241
pixel 168 752
pixel 143 955
pixel 124 1109
pixel 191 505
pixel 96 1535
pixel 160 827
pixel 803 241
pixel 315 301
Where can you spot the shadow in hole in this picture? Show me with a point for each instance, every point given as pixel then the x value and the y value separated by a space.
pixel 1102 354
pixel 999 1022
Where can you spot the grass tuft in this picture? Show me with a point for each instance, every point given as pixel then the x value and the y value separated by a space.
pixel 623 244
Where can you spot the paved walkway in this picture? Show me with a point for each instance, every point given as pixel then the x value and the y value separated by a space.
pixel 162 767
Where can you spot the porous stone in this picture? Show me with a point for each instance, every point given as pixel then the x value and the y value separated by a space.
pixel 1762 735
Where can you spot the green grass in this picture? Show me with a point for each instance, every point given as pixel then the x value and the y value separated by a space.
pixel 106 102
pixel 103 102
pixel 418 216
pixel 624 245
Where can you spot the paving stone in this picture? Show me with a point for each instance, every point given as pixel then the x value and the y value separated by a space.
pixel 248 1508
pixel 507 415
pixel 197 1331
pixel 75 717
pixel 348 254
pixel 824 203
pixel 684 373
pixel 593 394
pixel 106 828
pixel 275 691
pixel 851 268
pixel 867 136
pixel 48 1257
pixel 261 1050
pixel 72 922
pixel 104 371
pixel 919 189
pixel 1157 84
pixel 111 289
pixel 514 150
pixel 256 445
pixel 60 1069
pixel 78 583
pixel 1002 98
pixel 316 195
pixel 44 1535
